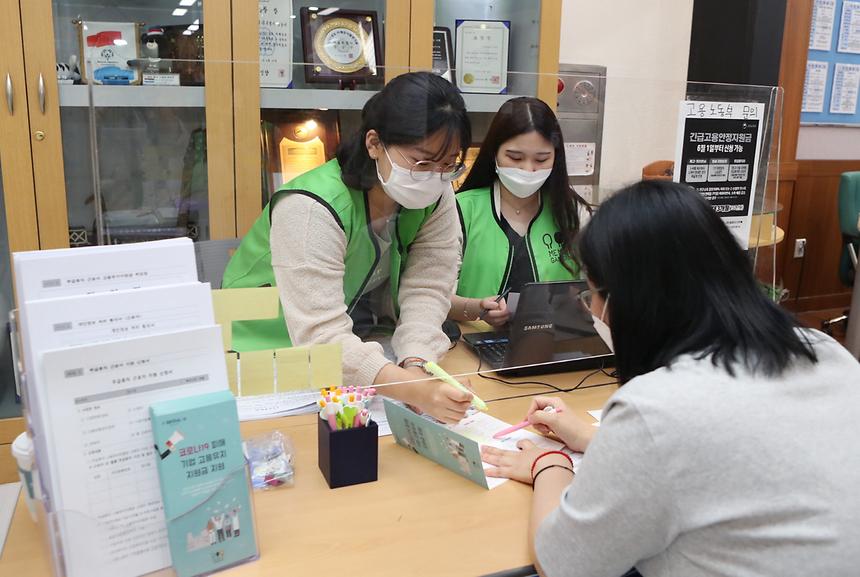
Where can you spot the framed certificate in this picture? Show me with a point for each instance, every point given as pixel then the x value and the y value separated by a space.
pixel 482 55
pixel 106 48
pixel 443 53
pixel 276 43
pixel 340 45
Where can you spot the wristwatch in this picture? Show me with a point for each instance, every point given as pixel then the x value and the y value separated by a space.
pixel 410 362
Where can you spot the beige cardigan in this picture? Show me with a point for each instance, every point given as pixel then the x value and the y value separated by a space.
pixel 308 252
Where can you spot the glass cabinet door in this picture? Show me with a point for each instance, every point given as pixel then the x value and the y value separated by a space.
pixel 479 40
pixel 341 56
pixel 132 82
pixel 10 400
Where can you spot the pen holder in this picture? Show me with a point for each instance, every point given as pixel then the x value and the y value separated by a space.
pixel 348 456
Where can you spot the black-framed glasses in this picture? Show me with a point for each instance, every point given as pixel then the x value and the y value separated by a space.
pixel 423 170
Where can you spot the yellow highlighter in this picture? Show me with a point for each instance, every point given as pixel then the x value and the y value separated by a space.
pixel 442 375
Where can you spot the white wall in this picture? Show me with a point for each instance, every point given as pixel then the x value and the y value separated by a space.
pixel 645 46
pixel 828 143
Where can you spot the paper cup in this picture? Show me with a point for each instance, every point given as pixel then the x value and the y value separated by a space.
pixel 22 450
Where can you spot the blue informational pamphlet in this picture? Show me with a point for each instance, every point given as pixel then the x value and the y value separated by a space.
pixel 438 443
pixel 204 484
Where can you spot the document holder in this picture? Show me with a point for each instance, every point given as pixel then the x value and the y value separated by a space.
pixel 76 542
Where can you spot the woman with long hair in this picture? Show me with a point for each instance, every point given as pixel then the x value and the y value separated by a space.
pixel 731 446
pixel 517 211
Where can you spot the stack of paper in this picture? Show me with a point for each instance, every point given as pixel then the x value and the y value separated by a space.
pixel 105 332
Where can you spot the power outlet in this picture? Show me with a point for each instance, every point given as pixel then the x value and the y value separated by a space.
pixel 800 248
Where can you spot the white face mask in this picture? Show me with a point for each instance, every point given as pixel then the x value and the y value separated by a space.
pixel 602 328
pixel 408 192
pixel 522 183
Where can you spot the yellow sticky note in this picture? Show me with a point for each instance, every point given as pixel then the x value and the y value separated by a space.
pixel 293 369
pixel 243 304
pixel 326 366
pixel 233 371
pixel 257 372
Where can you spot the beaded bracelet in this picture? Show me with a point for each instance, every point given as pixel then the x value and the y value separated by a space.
pixel 542 455
pixel 550 467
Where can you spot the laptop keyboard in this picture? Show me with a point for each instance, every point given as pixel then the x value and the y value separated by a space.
pixel 493 350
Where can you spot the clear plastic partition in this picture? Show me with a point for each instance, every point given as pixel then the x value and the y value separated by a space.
pixel 10 396
pixel 133 112
pixel 721 139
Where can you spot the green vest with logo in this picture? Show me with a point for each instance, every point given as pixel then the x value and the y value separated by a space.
pixel 251 265
pixel 487 253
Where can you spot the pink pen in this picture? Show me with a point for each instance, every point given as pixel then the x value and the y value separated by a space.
pixel 522 425
pixel 356 421
pixel 363 417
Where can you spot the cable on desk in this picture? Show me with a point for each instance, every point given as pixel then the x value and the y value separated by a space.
pixel 524 395
pixel 514 384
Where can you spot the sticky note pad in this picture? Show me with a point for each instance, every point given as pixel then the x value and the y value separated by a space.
pixel 257 372
pixel 232 360
pixel 293 369
pixel 326 366
pixel 244 304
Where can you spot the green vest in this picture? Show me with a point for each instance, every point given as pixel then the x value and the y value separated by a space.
pixel 251 265
pixel 487 254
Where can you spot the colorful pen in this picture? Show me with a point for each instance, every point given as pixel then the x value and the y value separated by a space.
pixel 521 425
pixel 440 374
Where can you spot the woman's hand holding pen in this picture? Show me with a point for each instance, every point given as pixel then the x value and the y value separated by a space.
pixel 569 429
pixel 494 311
pixel 440 400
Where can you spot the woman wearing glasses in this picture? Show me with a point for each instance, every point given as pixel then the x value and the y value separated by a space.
pixel 517 210
pixel 369 235
pixel 730 449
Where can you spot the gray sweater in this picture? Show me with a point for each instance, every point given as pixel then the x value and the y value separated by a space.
pixel 695 473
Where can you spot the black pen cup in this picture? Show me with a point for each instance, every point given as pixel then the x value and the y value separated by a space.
pixel 348 456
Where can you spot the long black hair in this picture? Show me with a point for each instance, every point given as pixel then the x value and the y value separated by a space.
pixel 678 282
pixel 522 116
pixel 410 108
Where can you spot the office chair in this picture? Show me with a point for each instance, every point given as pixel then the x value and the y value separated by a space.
pixel 849 224
pixel 212 257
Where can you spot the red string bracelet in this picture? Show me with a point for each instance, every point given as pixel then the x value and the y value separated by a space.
pixel 542 455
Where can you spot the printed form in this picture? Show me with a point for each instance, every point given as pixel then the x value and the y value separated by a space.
pixel 75 271
pixel 107 497
pixel 480 427
pixel 87 319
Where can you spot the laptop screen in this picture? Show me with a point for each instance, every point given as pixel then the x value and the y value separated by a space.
pixel 551 325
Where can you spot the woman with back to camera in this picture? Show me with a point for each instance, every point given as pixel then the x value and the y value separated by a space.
pixel 731 447
pixel 517 211
pixel 370 234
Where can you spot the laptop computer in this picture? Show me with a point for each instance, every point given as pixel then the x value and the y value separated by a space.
pixel 550 332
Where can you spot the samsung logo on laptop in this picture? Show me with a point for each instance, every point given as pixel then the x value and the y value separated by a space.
pixel 545 327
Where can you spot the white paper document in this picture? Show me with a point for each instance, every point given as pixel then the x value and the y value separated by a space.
pixel 76 271
pixel 821 31
pixel 481 427
pixel 104 480
pixel 849 28
pixel 257 407
pixel 846 81
pixel 87 319
pixel 814 86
